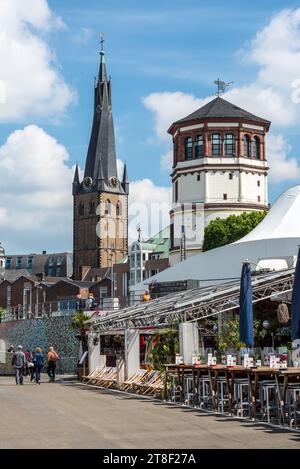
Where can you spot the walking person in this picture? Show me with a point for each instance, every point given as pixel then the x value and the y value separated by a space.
pixel 19 361
pixel 52 358
pixel 32 367
pixel 28 358
pixel 38 361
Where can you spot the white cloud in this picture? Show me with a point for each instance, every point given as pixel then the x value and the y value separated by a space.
pixel 282 168
pixel 169 107
pixel 149 207
pixel 82 36
pixel 31 82
pixel 35 192
pixel 166 161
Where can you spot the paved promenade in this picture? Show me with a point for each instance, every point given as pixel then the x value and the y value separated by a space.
pixel 63 415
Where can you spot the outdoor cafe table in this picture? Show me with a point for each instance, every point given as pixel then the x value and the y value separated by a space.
pixel 180 370
pixel 255 375
pixel 285 376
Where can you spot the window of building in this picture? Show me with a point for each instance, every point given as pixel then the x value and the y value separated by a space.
pixel 118 209
pixel 199 146
pixel 176 191
pixel 256 148
pixel 50 271
pixel 19 262
pixel 258 198
pixel 188 148
pixel 229 145
pixel 224 196
pixel 59 260
pixel 247 146
pixel 81 209
pixel 103 292
pixel 51 261
pixel 216 145
pixel 144 256
pixel 29 264
pixel 258 183
pixel 108 207
pixel 58 271
pixel 230 176
pixel 8 263
pixel 198 177
pixel 92 207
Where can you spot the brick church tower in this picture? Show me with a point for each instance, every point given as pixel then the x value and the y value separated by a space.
pixel 100 229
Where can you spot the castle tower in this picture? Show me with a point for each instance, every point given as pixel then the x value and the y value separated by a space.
pixel 100 236
pixel 219 169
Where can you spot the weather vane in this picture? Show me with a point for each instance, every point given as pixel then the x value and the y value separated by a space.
pixel 221 86
pixel 102 40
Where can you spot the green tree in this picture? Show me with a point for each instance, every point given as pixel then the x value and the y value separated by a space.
pixel 78 324
pixel 230 335
pixel 223 231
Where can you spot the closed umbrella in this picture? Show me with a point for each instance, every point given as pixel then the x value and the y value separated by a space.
pixel 296 302
pixel 246 310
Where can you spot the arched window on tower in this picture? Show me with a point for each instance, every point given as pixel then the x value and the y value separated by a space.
pixel 229 145
pixel 256 148
pixel 119 209
pixel 247 146
pixel 92 207
pixel 108 207
pixel 81 209
pixel 188 148
pixel 199 146
pixel 216 145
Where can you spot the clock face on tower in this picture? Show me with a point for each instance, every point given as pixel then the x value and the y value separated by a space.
pixel 113 181
pixel 88 182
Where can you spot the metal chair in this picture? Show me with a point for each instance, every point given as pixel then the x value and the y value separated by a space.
pixel 241 396
pixel 269 403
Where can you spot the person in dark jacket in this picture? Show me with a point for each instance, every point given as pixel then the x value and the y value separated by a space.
pixel 38 361
pixel 19 361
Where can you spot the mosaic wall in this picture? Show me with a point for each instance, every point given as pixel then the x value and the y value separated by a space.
pixel 32 333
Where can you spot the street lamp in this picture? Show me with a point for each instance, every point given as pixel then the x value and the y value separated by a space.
pixel 267 325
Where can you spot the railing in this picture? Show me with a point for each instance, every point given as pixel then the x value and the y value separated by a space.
pixel 63 308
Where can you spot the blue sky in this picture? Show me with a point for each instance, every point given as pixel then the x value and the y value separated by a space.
pixel 153 48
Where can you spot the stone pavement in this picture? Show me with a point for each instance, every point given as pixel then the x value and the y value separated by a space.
pixel 66 414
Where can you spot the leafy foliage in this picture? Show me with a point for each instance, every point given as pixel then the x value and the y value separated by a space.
pixel 229 338
pixel 78 323
pixel 223 231
pixel 165 344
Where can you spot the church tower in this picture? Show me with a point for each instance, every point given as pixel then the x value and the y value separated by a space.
pixel 219 168
pixel 100 236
